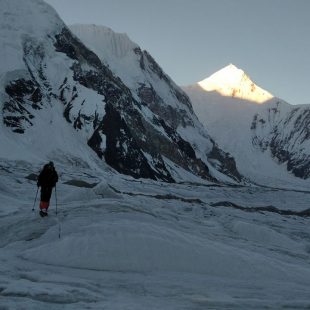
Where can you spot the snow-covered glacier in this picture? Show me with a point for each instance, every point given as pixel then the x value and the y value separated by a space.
pixel 119 243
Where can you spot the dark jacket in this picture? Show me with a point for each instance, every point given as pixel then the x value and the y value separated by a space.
pixel 48 176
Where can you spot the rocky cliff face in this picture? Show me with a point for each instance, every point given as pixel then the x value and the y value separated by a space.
pixel 285 131
pixel 148 130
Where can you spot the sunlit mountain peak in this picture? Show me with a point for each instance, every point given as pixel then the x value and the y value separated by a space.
pixel 233 82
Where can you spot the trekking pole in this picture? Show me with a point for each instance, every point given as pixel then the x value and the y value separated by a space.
pixel 56 200
pixel 35 199
pixel 59 228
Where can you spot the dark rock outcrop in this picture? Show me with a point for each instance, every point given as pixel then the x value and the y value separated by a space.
pixel 286 134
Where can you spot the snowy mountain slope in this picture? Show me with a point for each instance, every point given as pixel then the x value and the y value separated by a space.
pixel 269 140
pixel 32 77
pixel 128 244
pixel 50 72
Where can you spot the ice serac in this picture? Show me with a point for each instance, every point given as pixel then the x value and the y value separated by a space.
pixel 58 98
pixel 269 141
pixel 233 82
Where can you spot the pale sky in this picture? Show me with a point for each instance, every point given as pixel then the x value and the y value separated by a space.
pixel 192 39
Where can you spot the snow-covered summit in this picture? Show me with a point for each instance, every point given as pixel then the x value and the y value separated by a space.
pixel 233 82
pixel 35 17
pixel 19 21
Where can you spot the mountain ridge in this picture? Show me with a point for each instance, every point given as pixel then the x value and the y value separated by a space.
pixel 148 131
